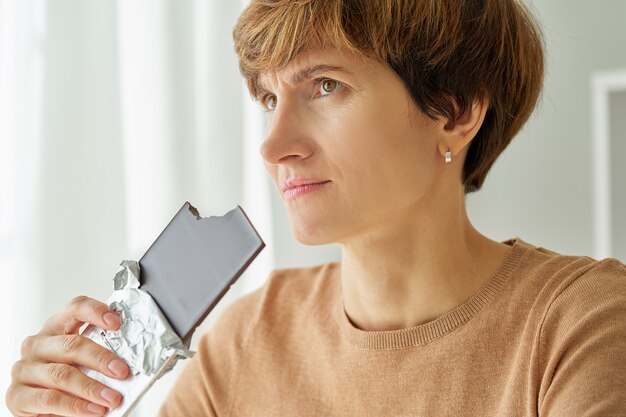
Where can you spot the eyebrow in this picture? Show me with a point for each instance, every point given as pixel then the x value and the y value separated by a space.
pixel 305 74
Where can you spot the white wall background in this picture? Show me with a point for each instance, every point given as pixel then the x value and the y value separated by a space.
pixel 112 114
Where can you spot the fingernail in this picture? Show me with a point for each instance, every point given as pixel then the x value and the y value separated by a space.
pixel 109 395
pixel 95 408
pixel 111 319
pixel 118 367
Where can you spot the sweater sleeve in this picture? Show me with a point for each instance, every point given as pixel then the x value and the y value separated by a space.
pixel 206 385
pixel 583 346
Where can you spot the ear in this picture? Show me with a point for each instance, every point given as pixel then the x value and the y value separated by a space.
pixel 459 135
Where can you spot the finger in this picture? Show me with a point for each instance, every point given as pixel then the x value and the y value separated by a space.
pixel 74 349
pixel 67 378
pixel 30 400
pixel 81 310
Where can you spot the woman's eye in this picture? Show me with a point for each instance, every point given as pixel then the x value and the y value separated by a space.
pixel 270 102
pixel 328 86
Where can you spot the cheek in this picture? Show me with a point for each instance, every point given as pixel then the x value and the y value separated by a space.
pixel 382 140
pixel 382 159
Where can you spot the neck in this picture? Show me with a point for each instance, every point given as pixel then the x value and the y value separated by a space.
pixel 415 266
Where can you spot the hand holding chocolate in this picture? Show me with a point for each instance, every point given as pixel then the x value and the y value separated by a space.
pixel 159 302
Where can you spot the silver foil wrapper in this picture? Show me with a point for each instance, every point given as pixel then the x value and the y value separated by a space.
pixel 145 340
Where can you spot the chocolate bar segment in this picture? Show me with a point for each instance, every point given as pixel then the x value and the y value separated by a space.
pixel 194 261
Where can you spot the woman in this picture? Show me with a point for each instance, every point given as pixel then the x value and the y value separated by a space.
pixel 382 115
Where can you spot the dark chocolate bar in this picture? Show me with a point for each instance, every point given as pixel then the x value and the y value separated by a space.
pixel 194 261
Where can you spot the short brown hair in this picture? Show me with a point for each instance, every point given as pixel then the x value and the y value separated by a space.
pixel 449 53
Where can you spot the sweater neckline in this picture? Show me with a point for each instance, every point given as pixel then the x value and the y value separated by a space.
pixel 442 325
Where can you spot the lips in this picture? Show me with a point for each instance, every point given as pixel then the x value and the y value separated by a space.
pixel 296 187
pixel 288 184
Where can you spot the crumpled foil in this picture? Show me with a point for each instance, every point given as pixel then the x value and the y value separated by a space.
pixel 145 339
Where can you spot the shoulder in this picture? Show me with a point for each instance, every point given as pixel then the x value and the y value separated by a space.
pixel 554 275
pixel 208 382
pixel 592 295
pixel 576 298
pixel 562 294
pixel 286 294
pixel 579 311
pixel 595 278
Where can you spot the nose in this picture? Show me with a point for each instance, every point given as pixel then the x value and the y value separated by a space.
pixel 287 138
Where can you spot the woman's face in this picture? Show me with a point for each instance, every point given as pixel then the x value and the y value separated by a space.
pixel 357 130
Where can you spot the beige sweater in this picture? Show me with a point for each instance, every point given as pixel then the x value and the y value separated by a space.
pixel 545 336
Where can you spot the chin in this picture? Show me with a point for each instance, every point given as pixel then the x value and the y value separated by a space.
pixel 313 233
pixel 312 240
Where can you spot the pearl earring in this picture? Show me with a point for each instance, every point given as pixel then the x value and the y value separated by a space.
pixel 448 157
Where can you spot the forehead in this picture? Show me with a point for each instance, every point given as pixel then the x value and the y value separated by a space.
pixel 310 62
